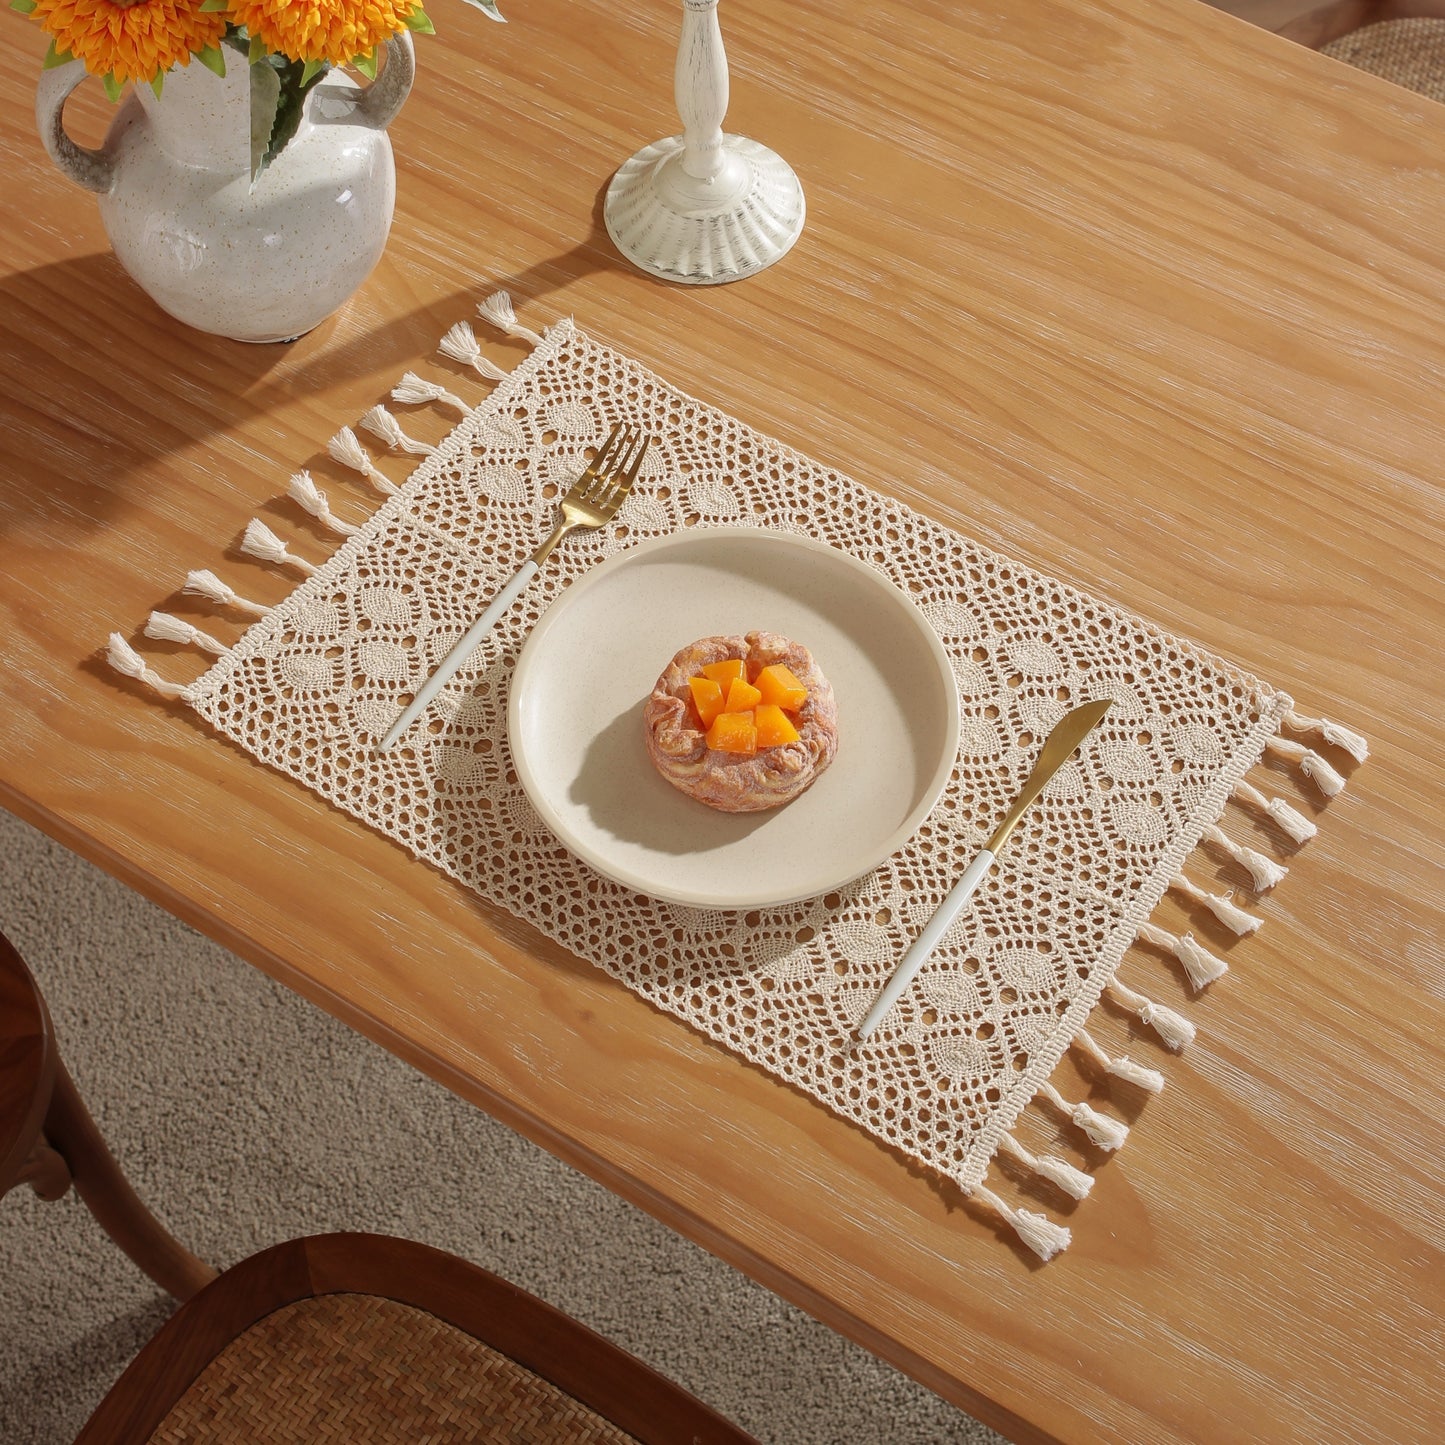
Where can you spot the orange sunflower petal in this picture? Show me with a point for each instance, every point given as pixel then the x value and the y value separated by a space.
pixel 336 31
pixel 133 41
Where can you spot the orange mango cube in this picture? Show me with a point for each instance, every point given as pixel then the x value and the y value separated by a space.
pixel 733 732
pixel 724 672
pixel 775 727
pixel 777 685
pixel 742 696
pixel 741 716
pixel 707 698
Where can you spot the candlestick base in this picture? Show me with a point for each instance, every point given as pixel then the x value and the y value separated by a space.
pixel 703 233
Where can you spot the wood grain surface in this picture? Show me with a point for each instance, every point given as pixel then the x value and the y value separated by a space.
pixel 1138 293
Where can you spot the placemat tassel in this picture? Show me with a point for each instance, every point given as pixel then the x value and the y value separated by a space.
pixel 497 309
pixel 1311 764
pixel 310 498
pixel 1106 1132
pixel 460 343
pixel 1200 966
pixel 1041 1234
pixel 412 390
pixel 1121 1068
pixel 125 659
pixel 1290 820
pixel 1355 744
pixel 345 447
pixel 1174 1030
pixel 1072 1181
pixel 1263 871
pixel 262 543
pixel 380 423
pixel 166 628
pixel 1227 913
pixel 208 585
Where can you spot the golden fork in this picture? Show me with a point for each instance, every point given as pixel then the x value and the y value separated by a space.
pixel 592 502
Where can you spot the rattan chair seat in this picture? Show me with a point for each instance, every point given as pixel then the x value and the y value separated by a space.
pixel 1409 52
pixel 357 1369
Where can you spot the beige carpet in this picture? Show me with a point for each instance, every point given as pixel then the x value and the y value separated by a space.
pixel 245 1116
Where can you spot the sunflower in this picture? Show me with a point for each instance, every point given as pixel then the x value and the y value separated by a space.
pixel 129 39
pixel 336 31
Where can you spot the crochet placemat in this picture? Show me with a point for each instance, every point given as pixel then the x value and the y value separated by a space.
pixel 315 682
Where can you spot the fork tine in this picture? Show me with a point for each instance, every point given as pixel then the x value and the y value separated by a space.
pixel 613 486
pixel 600 468
pixel 603 457
pixel 625 480
pixel 599 487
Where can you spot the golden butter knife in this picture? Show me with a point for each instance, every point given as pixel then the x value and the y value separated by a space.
pixel 1057 750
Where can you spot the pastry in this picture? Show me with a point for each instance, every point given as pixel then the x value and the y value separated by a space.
pixel 738 774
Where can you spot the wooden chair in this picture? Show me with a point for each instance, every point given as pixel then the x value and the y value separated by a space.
pixel 48 1139
pixel 367 1339
pixel 345 1337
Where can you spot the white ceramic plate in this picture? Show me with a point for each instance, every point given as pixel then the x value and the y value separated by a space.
pixel 575 717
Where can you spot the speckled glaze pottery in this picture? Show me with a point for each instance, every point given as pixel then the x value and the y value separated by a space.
pixel 263 262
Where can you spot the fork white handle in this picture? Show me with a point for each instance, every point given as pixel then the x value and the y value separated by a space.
pixel 927 941
pixel 459 654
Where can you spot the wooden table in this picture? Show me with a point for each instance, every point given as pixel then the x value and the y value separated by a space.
pixel 1130 289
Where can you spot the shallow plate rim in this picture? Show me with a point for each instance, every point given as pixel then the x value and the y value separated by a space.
pixel 533 647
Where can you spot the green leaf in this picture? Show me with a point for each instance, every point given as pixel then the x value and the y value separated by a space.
pixel 212 7
pixel 256 51
pixel 294 80
pixel 158 82
pixel 54 57
pixel 113 87
pixel 489 9
pixel 418 21
pixel 366 64
pixel 24 7
pixel 213 58
pixel 265 98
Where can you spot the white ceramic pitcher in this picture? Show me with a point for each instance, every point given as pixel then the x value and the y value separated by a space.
pixel 262 262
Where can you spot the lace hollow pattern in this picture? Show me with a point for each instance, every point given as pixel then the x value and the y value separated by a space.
pixel 313 685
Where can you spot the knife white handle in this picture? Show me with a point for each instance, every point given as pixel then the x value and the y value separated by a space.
pixel 459 654
pixel 927 941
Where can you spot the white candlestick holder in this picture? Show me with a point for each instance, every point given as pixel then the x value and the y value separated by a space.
pixel 703 207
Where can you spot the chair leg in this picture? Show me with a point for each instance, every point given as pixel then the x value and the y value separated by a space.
pixel 45 1171
pixel 115 1205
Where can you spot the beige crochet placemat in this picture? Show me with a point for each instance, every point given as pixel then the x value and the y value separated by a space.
pixel 313 684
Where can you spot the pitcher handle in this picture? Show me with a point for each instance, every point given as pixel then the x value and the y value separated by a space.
pixel 383 98
pixel 95 170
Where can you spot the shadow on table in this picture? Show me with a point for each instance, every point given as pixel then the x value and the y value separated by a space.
pixel 115 387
